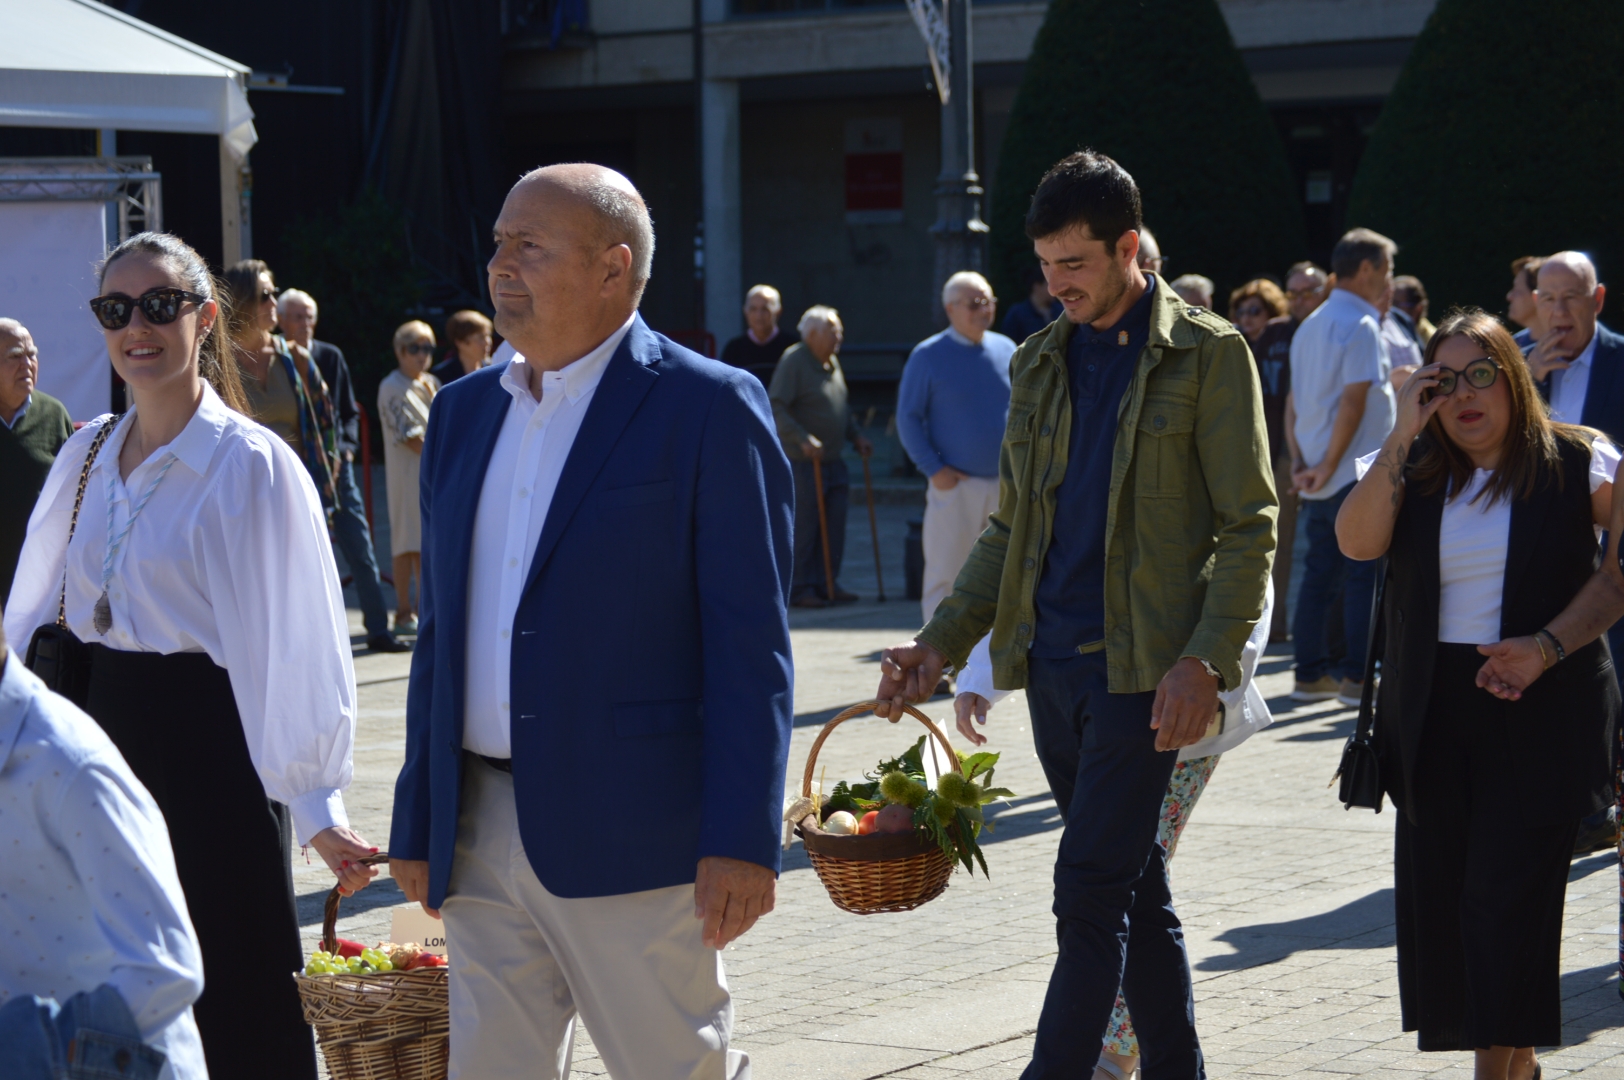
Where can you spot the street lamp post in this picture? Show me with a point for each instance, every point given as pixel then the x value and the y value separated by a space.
pixel 961 235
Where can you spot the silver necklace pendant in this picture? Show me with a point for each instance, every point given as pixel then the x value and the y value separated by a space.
pixel 102 617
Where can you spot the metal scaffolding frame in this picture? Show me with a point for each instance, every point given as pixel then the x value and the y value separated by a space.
pixel 128 183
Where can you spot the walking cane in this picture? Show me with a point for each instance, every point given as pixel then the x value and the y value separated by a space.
pixel 873 526
pixel 823 528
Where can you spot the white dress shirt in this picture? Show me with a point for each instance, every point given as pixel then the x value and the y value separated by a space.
pixel 88 889
pixel 1339 344
pixel 523 473
pixel 1568 386
pixel 1472 541
pixel 230 558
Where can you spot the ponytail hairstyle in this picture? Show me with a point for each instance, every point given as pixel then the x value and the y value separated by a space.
pixel 216 361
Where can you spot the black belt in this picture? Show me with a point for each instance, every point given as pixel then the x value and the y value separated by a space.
pixel 505 764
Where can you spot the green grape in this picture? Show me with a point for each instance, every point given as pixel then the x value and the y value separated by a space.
pixel 385 965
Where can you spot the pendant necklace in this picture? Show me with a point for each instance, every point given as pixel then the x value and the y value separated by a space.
pixel 102 615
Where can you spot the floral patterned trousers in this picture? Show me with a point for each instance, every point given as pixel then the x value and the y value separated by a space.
pixel 1189 781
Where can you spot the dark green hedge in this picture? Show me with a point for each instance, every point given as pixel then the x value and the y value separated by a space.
pixel 1160 87
pixel 1504 137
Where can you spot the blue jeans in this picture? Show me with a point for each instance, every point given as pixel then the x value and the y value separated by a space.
pixel 1326 573
pixel 90 1037
pixel 808 541
pixel 354 539
pixel 1114 910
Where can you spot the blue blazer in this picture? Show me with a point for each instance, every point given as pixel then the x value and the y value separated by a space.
pixel 651 693
pixel 1604 396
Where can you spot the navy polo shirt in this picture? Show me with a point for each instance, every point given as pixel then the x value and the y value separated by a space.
pixel 1070 598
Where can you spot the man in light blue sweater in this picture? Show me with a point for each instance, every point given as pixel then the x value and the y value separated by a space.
pixel 951 409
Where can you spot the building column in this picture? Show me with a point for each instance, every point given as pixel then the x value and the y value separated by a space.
pixel 724 222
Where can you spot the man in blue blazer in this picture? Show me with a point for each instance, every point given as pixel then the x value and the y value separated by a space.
pixel 1578 361
pixel 600 702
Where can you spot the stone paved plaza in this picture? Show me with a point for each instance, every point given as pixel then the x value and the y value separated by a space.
pixel 1286 898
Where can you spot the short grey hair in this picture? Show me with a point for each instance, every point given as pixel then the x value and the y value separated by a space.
pixel 623 216
pixel 774 300
pixel 817 317
pixel 296 294
pixel 1195 283
pixel 964 279
pixel 406 331
pixel 1577 263
pixel 1359 246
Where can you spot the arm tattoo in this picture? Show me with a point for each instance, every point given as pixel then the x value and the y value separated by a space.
pixel 1394 464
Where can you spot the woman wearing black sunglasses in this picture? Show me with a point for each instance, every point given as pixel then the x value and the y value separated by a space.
pixel 200 573
pixel 1488 513
pixel 403 407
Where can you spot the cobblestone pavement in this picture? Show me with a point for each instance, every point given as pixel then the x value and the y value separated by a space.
pixel 1286 899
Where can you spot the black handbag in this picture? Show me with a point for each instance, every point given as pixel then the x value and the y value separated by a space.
pixel 55 653
pixel 1359 770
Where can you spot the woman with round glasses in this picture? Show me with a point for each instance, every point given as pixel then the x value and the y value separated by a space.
pixel 403 407
pixel 1488 514
pixel 200 574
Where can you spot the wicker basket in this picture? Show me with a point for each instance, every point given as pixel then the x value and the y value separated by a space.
pixel 866 875
pixel 391 1025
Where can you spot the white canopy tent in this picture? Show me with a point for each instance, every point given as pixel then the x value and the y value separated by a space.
pixel 81 64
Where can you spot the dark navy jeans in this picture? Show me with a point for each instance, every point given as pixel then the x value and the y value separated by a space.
pixel 1116 923
pixel 91 1036
pixel 354 539
pixel 808 540
pixel 1326 573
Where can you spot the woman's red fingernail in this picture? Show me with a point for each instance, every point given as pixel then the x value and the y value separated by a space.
pixel 346 862
pixel 374 849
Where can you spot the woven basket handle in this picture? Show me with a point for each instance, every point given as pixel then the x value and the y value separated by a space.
pixel 863 709
pixel 329 913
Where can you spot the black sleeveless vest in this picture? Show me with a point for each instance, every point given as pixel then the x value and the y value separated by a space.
pixel 1562 728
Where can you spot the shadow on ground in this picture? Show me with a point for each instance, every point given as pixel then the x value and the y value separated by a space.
pixel 383 892
pixel 1366 923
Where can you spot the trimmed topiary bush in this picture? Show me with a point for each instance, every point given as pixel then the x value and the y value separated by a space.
pixel 1502 138
pixel 1162 89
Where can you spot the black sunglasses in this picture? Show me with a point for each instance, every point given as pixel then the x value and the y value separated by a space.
pixel 1480 375
pixel 160 306
pixel 1250 309
pixel 419 348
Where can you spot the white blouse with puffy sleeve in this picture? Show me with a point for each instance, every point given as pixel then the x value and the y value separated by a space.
pixel 231 558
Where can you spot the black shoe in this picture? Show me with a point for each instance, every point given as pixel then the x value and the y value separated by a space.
pixel 1597 833
pixel 382 643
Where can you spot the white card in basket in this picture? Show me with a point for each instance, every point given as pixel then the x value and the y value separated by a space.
pixel 409 922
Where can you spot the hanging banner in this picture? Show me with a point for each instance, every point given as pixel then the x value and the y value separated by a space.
pixel 931 18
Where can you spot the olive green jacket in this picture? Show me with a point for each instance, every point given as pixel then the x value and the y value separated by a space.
pixel 1190 526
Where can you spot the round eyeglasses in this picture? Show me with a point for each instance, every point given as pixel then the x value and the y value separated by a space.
pixel 1479 375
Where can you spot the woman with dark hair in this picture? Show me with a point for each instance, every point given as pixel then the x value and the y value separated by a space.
pixel 200 572
pixel 1488 514
pixel 283 386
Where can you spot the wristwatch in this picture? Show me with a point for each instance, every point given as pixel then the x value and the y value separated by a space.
pixel 1211 670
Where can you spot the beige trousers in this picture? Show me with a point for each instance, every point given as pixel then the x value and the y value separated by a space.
pixel 525 964
pixel 953 520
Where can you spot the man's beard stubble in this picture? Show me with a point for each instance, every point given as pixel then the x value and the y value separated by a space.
pixel 1110 294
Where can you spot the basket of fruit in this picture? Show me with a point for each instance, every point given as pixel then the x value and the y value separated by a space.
pixel 891 844
pixel 381 1013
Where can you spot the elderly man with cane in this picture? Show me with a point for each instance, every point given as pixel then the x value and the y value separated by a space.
pixel 812 409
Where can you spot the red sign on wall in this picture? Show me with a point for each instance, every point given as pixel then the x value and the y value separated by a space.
pixel 873 182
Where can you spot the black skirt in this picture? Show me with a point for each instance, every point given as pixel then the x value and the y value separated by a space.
pixel 174 719
pixel 1479 886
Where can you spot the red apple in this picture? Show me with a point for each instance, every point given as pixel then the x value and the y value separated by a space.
pixel 895 818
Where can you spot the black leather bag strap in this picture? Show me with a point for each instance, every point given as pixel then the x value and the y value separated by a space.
pixel 73 522
pixel 1376 641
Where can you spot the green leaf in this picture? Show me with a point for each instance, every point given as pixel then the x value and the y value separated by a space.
pixel 976 764
pixel 983 861
pixel 993 794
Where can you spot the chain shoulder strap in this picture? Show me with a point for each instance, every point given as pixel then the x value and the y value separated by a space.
pixel 73 522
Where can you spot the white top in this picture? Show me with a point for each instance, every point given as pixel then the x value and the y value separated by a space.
pixel 1401 348
pixel 1245 710
pixel 88 889
pixel 230 558
pixel 1472 542
pixel 523 473
pixel 1568 386
pixel 1338 344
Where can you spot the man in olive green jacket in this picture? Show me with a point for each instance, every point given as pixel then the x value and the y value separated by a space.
pixel 1121 577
